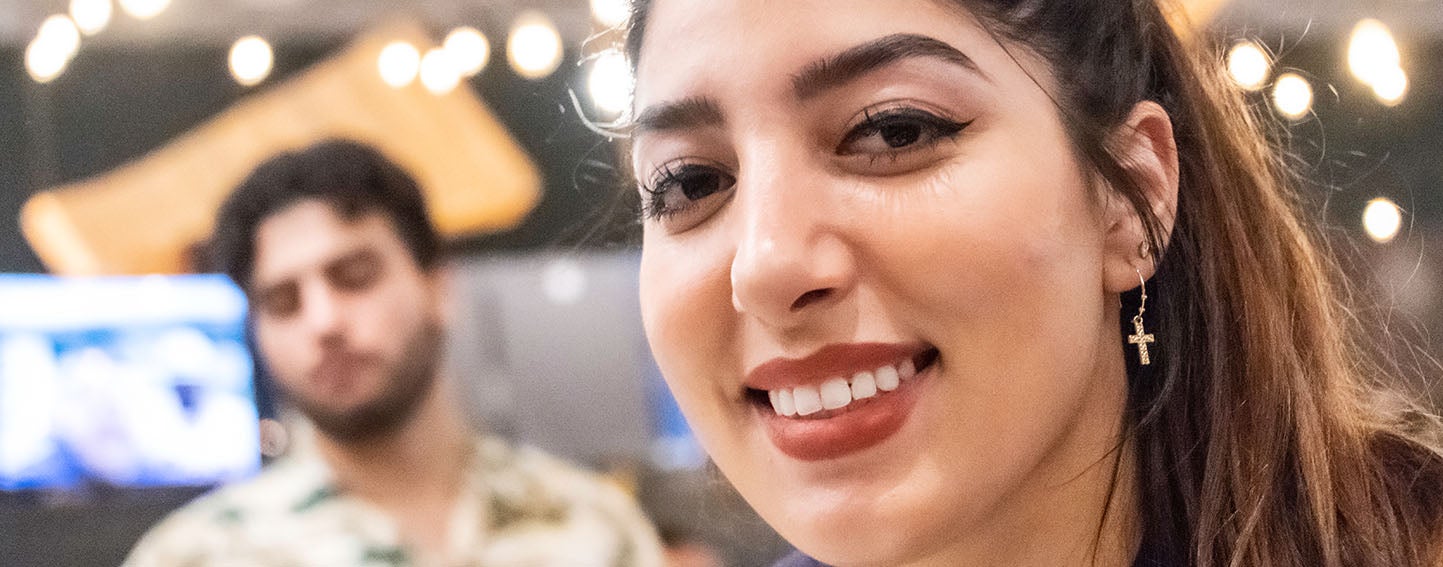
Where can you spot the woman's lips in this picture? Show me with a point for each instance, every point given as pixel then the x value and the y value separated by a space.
pixel 839 416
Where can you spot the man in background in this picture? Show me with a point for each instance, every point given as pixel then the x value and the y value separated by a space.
pixel 344 274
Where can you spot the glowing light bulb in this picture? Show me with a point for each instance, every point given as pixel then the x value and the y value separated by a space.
pixel 534 46
pixel 251 59
pixel 91 16
pixel 610 83
pixel 59 32
pixel 610 13
pixel 1292 96
pixel 1248 65
pixel 1371 51
pixel 439 72
pixel 45 61
pixel 1390 86
pixel 144 9
pixel 469 50
pixel 398 63
pixel 1382 220
pixel 55 44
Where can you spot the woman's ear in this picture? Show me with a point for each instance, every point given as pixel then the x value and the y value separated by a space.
pixel 1145 146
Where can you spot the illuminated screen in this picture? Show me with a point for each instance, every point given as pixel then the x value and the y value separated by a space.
pixel 135 382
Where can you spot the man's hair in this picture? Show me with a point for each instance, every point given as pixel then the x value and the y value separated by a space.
pixel 353 178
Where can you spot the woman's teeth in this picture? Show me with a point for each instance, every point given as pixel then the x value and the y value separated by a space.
pixel 839 392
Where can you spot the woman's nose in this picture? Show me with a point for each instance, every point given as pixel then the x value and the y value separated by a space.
pixel 792 258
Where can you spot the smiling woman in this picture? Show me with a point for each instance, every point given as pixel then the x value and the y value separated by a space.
pixel 1004 283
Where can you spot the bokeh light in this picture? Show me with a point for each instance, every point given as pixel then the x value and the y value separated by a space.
pixel 55 44
pixel 144 9
pixel 610 13
pixel 1382 220
pixel 399 63
pixel 1293 96
pixel 439 72
pixel 469 50
pixel 534 46
pixel 251 59
pixel 609 83
pixel 1390 86
pixel 91 16
pixel 1372 51
pixel 1249 65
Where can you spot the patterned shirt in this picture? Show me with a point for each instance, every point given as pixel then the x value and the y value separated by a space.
pixel 521 508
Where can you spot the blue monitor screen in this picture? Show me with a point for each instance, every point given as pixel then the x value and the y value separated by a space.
pixel 132 382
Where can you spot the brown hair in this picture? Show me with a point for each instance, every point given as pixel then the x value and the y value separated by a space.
pixel 1264 432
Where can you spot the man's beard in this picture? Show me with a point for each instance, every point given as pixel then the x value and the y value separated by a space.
pixel 405 387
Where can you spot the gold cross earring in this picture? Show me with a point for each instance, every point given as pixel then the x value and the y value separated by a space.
pixel 1142 337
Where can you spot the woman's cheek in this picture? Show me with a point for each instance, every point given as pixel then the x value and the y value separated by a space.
pixel 686 310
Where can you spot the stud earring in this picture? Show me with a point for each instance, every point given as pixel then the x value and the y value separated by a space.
pixel 1141 338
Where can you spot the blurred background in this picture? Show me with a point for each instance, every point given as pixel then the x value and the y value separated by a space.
pixel 123 123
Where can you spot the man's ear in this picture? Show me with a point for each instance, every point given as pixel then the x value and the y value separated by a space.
pixel 1147 150
pixel 441 283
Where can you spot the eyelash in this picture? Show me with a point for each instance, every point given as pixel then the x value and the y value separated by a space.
pixel 934 129
pixel 669 176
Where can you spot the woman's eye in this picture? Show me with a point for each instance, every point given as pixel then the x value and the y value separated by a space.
pixel 898 130
pixel 676 188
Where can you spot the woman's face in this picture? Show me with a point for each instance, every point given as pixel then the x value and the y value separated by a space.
pixel 874 272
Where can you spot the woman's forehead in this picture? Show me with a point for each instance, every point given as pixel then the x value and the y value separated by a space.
pixel 752 56
pixel 694 45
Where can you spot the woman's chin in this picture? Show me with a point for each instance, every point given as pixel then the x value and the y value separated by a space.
pixel 857 543
pixel 840 528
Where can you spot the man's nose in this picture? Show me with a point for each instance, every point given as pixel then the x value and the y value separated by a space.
pixel 322 311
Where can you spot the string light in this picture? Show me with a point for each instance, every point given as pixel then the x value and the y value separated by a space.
pixel 91 16
pixel 44 61
pixel 468 49
pixel 1372 51
pixel 1382 220
pixel 60 32
pixel 55 44
pixel 1374 58
pixel 439 72
pixel 1390 86
pixel 251 59
pixel 144 9
pixel 534 46
pixel 1248 65
pixel 609 13
pixel 610 83
pixel 1292 96
pixel 399 62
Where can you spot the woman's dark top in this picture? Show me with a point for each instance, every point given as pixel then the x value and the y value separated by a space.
pixel 1147 556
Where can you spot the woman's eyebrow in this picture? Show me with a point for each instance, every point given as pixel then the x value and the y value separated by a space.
pixel 837 70
pixel 821 75
pixel 684 114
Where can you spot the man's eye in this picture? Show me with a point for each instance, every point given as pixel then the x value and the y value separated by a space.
pixel 280 303
pixel 675 189
pixel 355 274
pixel 897 130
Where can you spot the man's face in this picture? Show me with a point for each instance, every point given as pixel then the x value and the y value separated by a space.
pixel 346 320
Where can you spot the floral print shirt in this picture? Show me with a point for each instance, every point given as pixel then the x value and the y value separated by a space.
pixel 521 508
